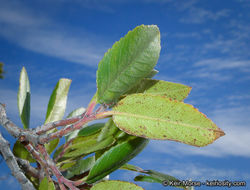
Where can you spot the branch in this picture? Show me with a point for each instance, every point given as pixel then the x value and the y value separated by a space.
pixel 45 138
pixel 61 179
pixel 49 126
pixel 38 158
pixel 14 130
pixel 12 163
pixel 25 165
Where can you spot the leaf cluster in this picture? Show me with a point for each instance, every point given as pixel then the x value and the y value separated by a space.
pixel 139 109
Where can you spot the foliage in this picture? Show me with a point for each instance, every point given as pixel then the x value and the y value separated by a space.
pixel 139 109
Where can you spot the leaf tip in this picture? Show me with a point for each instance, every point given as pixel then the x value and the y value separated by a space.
pixel 219 133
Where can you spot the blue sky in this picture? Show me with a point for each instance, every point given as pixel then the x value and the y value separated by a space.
pixel 205 44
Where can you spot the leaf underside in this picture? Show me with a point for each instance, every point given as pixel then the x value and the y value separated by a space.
pixel 56 108
pixel 171 90
pixel 23 98
pixel 158 117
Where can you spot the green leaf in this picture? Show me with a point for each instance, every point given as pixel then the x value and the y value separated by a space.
pixel 90 130
pixel 67 165
pixel 158 117
pixel 20 151
pixel 131 168
pixel 116 185
pixel 87 145
pixel 160 176
pixel 171 90
pixel 127 62
pixel 74 113
pixel 81 166
pixel 58 100
pixel 56 108
pixel 23 98
pixel 157 177
pixel 146 178
pixel 110 129
pixel 46 185
pixel 115 157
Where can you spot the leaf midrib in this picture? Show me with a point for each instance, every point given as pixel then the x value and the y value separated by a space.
pixel 162 120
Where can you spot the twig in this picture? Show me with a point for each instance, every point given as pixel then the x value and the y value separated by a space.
pixel 12 163
pixel 66 145
pixel 61 179
pixel 28 169
pixel 49 126
pixel 45 138
pixel 38 158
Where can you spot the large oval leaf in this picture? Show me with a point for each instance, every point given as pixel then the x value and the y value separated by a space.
pixel 115 157
pixel 56 108
pixel 163 88
pixel 158 117
pixel 23 98
pixel 116 185
pixel 127 62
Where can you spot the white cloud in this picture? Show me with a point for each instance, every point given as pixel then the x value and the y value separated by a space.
pixel 197 15
pixel 40 34
pixel 220 69
pixel 234 122
pixel 195 35
pixel 218 64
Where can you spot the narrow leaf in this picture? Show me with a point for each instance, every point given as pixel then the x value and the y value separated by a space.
pixel 115 157
pixel 127 62
pixel 171 90
pixel 110 129
pixel 76 112
pixel 56 108
pixel 116 185
pixel 81 166
pixel 87 145
pixel 131 168
pixel 146 178
pixel 158 117
pixel 58 100
pixel 90 130
pixel 160 176
pixel 157 177
pixel 23 98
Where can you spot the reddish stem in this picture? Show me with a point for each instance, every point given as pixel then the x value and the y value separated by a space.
pixel 58 134
pixel 66 145
pixel 49 126
pixel 37 157
pixel 56 172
